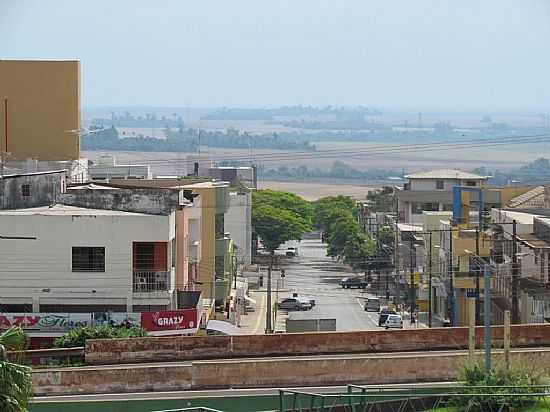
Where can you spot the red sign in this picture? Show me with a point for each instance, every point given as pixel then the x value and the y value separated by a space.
pixel 170 320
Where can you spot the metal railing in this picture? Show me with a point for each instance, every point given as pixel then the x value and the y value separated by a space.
pixel 151 281
pixel 195 409
pixel 417 398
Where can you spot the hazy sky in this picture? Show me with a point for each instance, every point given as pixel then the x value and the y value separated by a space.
pixel 430 54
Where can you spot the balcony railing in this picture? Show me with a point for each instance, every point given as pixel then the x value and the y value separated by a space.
pixel 151 281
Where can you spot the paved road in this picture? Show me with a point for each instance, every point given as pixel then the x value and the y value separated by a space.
pixel 313 273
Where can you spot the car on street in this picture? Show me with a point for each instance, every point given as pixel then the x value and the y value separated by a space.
pixel 372 304
pixel 310 299
pixel 394 321
pixel 294 304
pixel 353 282
pixel 383 315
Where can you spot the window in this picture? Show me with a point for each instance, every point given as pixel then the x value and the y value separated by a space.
pixel 439 185
pixel 88 259
pixel 25 190
pixel 471 183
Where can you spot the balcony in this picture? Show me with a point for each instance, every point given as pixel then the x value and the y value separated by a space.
pixel 147 281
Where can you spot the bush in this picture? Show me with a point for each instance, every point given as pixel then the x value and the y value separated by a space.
pixel 517 379
pixel 77 337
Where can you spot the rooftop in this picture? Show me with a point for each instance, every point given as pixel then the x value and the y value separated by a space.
pixel 49 172
pixel 64 210
pixel 445 174
pixel 532 198
pixel 520 217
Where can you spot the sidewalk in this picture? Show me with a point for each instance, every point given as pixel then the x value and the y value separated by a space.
pixel 422 321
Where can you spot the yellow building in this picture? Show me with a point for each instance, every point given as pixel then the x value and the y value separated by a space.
pixel 40 109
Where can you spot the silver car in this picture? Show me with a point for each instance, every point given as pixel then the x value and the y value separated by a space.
pixel 294 304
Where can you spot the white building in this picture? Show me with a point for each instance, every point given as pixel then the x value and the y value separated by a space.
pixel 72 259
pixel 432 191
pixel 106 168
pixel 238 223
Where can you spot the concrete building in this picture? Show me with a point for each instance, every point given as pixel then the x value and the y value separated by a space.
pixel 214 204
pixel 236 176
pixel 238 223
pixel 40 109
pixel 432 191
pixel 31 189
pixel 87 260
pixel 106 168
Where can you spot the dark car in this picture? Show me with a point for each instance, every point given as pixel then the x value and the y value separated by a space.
pixel 353 282
pixel 384 315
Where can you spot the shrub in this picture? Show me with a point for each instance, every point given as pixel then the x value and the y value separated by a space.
pixel 517 379
pixel 77 337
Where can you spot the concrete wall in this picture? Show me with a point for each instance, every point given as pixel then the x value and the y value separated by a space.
pixel 211 347
pixel 45 189
pixel 250 373
pixel 238 222
pixel 43 99
pixel 39 272
pixel 152 201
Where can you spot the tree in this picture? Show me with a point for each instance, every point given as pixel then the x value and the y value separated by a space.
pixel 340 232
pixel 275 226
pixel 15 380
pixel 284 200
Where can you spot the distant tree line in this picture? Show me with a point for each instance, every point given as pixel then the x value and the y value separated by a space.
pixel 338 170
pixel 188 140
pixel 535 172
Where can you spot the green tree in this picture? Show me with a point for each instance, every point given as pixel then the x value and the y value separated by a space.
pixel 327 209
pixel 15 380
pixel 340 232
pixel 285 201
pixel 276 226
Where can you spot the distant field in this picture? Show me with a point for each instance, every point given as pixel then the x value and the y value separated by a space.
pixel 314 191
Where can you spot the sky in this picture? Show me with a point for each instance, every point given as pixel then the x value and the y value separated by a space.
pixel 418 54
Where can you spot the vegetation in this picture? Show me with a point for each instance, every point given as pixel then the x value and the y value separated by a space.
pixel 15 380
pixel 188 140
pixel 512 380
pixel 279 216
pixel 77 337
pixel 536 171
pixel 338 170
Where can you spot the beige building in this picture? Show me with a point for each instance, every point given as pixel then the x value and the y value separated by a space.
pixel 40 109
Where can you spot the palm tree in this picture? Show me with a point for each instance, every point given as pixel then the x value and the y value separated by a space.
pixel 15 380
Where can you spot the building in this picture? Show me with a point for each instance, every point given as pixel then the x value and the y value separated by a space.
pixel 432 191
pixel 106 168
pixel 40 109
pixel 19 191
pixel 236 176
pixel 238 224
pixel 214 204
pixel 73 259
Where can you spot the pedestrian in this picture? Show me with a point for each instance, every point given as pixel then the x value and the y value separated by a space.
pixel 413 319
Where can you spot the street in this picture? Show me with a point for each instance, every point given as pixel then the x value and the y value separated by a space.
pixel 312 273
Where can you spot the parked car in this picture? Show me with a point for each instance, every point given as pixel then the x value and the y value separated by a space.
pixel 310 299
pixel 394 321
pixel 384 313
pixel 353 282
pixel 372 304
pixel 291 251
pixel 294 304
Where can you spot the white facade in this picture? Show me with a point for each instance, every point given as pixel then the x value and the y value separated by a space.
pixel 106 168
pixel 238 223
pixel 41 272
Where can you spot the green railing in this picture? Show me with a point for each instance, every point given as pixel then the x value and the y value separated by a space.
pixel 414 398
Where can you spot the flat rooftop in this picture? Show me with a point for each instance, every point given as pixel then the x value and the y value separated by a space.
pixel 65 210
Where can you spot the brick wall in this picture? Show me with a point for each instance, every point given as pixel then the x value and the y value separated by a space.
pixel 156 349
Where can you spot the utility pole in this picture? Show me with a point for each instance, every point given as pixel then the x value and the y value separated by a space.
pixel 412 290
pixel 515 275
pixel 430 283
pixel 268 323
pixel 451 281
pixel 478 308
pixel 487 316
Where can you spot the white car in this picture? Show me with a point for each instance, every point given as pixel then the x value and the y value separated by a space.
pixel 394 321
pixel 294 304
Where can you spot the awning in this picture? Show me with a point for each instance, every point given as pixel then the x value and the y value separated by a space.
pixel 248 298
pixel 224 327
